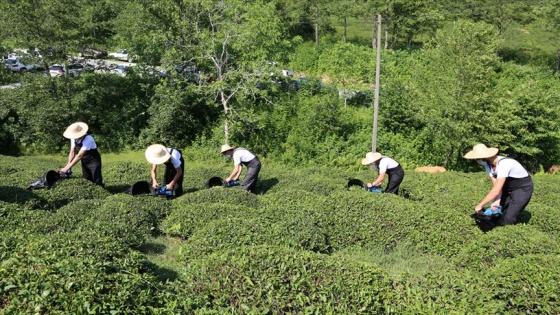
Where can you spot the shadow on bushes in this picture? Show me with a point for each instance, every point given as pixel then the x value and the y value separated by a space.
pixel 524 217
pixel 162 274
pixel 18 195
pixel 117 189
pixel 152 249
pixel 191 190
pixel 267 184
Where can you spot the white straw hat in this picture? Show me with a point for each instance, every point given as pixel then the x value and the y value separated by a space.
pixel 157 154
pixel 371 158
pixel 225 148
pixel 76 130
pixel 481 151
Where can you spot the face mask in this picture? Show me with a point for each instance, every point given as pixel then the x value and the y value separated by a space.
pixel 228 156
pixel 482 162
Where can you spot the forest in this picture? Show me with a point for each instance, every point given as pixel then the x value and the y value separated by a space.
pixel 452 74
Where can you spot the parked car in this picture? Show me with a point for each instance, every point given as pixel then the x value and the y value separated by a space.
pixel 120 70
pixel 92 53
pixel 122 54
pixel 15 64
pixel 74 70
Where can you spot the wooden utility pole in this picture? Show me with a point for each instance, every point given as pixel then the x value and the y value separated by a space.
pixel 377 72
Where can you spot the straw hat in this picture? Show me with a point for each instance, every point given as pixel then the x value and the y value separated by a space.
pixel 76 130
pixel 157 154
pixel 371 158
pixel 225 148
pixel 481 151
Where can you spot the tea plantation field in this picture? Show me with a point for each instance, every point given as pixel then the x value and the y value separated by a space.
pixel 303 245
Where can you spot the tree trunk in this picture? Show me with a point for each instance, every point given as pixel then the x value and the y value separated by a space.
pixel 317 26
pixel 387 28
pixel 345 26
pixel 226 117
pixel 373 38
pixel 557 68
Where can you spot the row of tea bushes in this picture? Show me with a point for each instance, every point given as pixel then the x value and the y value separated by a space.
pixel 300 246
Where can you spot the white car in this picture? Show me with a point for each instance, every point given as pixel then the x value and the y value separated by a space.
pixel 120 70
pixel 15 64
pixel 72 69
pixel 121 54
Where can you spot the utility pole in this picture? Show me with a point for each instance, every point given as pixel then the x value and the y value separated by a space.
pixel 377 72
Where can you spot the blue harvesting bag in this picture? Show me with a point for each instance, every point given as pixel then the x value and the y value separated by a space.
pixel 376 189
pixel 163 191
pixel 488 211
pixel 232 183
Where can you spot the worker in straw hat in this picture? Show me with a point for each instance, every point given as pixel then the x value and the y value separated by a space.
pixel 242 156
pixel 512 187
pixel 88 154
pixel 174 167
pixel 385 165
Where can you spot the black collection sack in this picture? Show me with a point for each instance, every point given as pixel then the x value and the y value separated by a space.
pixel 486 223
pixel 139 188
pixel 214 181
pixel 355 182
pixel 46 181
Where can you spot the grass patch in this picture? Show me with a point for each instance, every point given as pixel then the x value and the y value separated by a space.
pixel 163 252
pixel 403 259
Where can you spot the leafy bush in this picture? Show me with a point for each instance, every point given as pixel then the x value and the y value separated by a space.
pixel 279 280
pixel 185 219
pixel 505 242
pixel 75 274
pixel 525 284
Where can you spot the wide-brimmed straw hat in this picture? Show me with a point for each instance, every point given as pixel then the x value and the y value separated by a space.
pixel 481 151
pixel 157 154
pixel 371 158
pixel 225 148
pixel 76 130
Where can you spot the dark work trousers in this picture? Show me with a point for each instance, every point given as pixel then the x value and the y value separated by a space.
pixel 396 176
pixel 91 163
pixel 252 177
pixel 91 166
pixel 170 173
pixel 516 194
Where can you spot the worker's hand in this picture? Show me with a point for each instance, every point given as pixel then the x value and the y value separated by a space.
pixel 369 185
pixel 63 170
pixel 477 209
pixel 155 184
pixel 169 186
pixel 495 205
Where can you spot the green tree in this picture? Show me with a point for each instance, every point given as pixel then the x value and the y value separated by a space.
pixel 48 25
pixel 453 91
pixel 234 43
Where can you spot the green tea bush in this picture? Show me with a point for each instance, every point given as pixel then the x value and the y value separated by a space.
pixel 185 219
pixel 278 280
pixel 75 274
pixel 128 219
pixel 527 284
pixel 221 195
pixel 445 291
pixel 119 176
pixel 70 217
pixel 505 242
pixel 70 190
pixel 543 217
pixel 227 233
pixel 366 219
